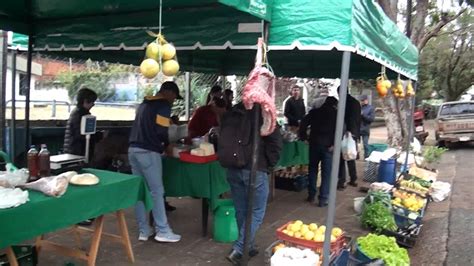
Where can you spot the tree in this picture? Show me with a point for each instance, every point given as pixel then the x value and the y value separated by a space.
pixel 446 63
pixel 96 76
pixel 423 21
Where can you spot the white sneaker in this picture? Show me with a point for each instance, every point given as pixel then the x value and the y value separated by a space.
pixel 144 236
pixel 167 237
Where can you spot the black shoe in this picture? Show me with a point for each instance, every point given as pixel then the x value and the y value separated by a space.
pixel 234 257
pixel 322 204
pixel 341 187
pixel 168 207
pixel 354 184
pixel 87 222
pixel 309 199
pixel 253 252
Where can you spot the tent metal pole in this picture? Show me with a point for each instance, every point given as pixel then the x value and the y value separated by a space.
pixel 253 174
pixel 13 112
pixel 341 107
pixel 187 98
pixel 28 89
pixel 3 87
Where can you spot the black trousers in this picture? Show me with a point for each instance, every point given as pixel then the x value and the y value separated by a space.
pixel 351 165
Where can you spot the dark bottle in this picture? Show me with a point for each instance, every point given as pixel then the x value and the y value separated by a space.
pixel 43 162
pixel 32 158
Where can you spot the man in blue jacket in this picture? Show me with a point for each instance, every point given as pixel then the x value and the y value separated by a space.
pixel 148 140
pixel 368 116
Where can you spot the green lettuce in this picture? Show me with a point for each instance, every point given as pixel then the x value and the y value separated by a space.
pixel 383 247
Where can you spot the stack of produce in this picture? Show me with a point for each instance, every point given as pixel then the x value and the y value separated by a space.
pixel 383 247
pixel 417 185
pixel 310 236
pixel 408 200
pixel 159 54
pixel 377 212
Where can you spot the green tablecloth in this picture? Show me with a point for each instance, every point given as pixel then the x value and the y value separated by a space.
pixel 293 153
pixel 43 214
pixel 182 179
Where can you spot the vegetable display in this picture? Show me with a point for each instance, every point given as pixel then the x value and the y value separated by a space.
pixel 383 247
pixel 379 217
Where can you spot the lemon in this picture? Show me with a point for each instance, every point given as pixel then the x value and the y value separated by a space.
pixel 333 238
pixel 336 231
pixel 168 51
pixel 298 235
pixel 149 68
pixel 304 229
pixel 288 227
pixel 313 226
pixel 285 231
pixel 295 227
pixel 290 233
pixel 170 67
pixel 298 222
pixel 322 229
pixel 318 238
pixel 153 51
pixel 309 235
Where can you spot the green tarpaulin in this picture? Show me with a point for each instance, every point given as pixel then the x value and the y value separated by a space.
pixel 306 37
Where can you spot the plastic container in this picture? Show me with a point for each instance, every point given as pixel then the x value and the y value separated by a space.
pixel 32 161
pixel 44 164
pixel 336 246
pixel 387 171
pixel 225 224
pixel 360 256
pixel 189 158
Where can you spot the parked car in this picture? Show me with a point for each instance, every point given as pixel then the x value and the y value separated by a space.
pixel 455 122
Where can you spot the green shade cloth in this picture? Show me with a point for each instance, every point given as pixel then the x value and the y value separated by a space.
pixel 294 153
pixel 43 214
pixel 306 37
pixel 206 180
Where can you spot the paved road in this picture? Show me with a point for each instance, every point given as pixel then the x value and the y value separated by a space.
pixel 447 237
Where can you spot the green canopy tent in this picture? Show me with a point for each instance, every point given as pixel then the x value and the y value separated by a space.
pixel 307 38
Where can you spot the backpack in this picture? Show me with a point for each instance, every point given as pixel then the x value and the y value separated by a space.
pixel 234 146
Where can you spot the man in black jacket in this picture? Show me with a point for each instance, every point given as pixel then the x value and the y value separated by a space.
pixel 322 121
pixel 352 120
pixel 239 177
pixel 74 142
pixel 294 108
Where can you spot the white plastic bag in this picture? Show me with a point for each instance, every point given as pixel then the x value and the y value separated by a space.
pixel 441 190
pixel 13 177
pixel 348 147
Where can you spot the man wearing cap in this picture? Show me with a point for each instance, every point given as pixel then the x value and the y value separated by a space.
pixel 148 140
pixel 367 117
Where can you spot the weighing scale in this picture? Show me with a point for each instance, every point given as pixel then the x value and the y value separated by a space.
pixel 66 162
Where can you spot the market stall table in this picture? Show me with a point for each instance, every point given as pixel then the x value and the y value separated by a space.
pixel 206 181
pixel 292 153
pixel 43 214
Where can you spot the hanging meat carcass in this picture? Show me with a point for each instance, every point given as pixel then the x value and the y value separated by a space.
pixel 260 89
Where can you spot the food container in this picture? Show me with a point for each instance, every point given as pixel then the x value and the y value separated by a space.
pixel 188 157
pixel 336 246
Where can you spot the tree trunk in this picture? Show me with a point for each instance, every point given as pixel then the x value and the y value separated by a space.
pixel 418 22
pixel 390 7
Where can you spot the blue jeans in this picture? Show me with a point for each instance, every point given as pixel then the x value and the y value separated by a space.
pixel 239 185
pixel 148 164
pixel 365 141
pixel 319 154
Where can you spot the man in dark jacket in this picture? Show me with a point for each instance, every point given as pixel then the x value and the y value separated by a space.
pixel 294 108
pixel 322 121
pixel 239 177
pixel 74 142
pixel 368 116
pixel 148 140
pixel 352 120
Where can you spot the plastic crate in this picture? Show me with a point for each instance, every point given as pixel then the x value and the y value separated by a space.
pixel 403 221
pixel 371 172
pixel 360 256
pixel 25 255
pixel 407 241
pixel 336 246
pixel 297 184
